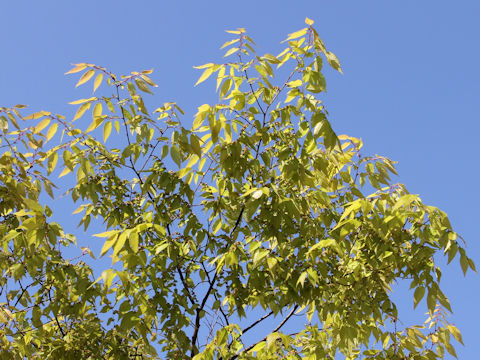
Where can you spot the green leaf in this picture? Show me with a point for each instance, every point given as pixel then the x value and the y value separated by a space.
pixel 418 295
pixel 456 333
pixel 195 143
pixel 175 154
pixel 142 85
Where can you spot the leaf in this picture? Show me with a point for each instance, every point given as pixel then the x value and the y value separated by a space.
pixel 257 194
pixel 301 278
pixel 456 333
pixel 227 84
pixel 175 154
pixel 97 82
pixel 81 101
pixel 122 238
pixel 85 77
pixel 77 68
pixel 142 85
pixel 81 110
pixel 64 172
pixel 36 116
pixel 52 162
pixel 41 125
pixel 230 51
pixel 133 241
pixel 308 21
pixel 418 295
pixel 229 43
pixel 107 129
pixel 296 34
pixel 206 74
pixel 333 61
pixel 97 110
pixel 195 143
pixel 51 131
pixel 106 234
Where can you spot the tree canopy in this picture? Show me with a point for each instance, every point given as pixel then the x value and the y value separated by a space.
pixel 256 232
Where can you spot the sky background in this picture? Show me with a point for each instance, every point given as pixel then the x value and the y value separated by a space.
pixel 410 88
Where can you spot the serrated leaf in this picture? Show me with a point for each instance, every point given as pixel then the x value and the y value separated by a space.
pixel 85 77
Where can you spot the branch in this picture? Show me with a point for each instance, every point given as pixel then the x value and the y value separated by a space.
pixel 257 322
pixel 290 314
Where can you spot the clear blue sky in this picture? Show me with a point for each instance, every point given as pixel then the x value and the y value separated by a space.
pixel 410 89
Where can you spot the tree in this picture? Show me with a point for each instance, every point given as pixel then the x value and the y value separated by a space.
pixel 254 214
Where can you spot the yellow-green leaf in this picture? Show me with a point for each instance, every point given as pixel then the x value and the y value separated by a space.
pixel 206 74
pixel 142 85
pixel 195 145
pixel 107 129
pixel 229 43
pixel 65 171
pixel 41 125
pixel 52 162
pixel 231 51
pixel 308 21
pixel 418 295
pixel 85 77
pixel 51 131
pixel 81 110
pixel 37 115
pixel 81 101
pixel 97 110
pixel 296 34
pixel 333 61
pixel 77 68
pixel 456 333
pixel 97 82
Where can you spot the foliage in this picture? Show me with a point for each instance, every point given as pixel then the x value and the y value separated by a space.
pixel 257 211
